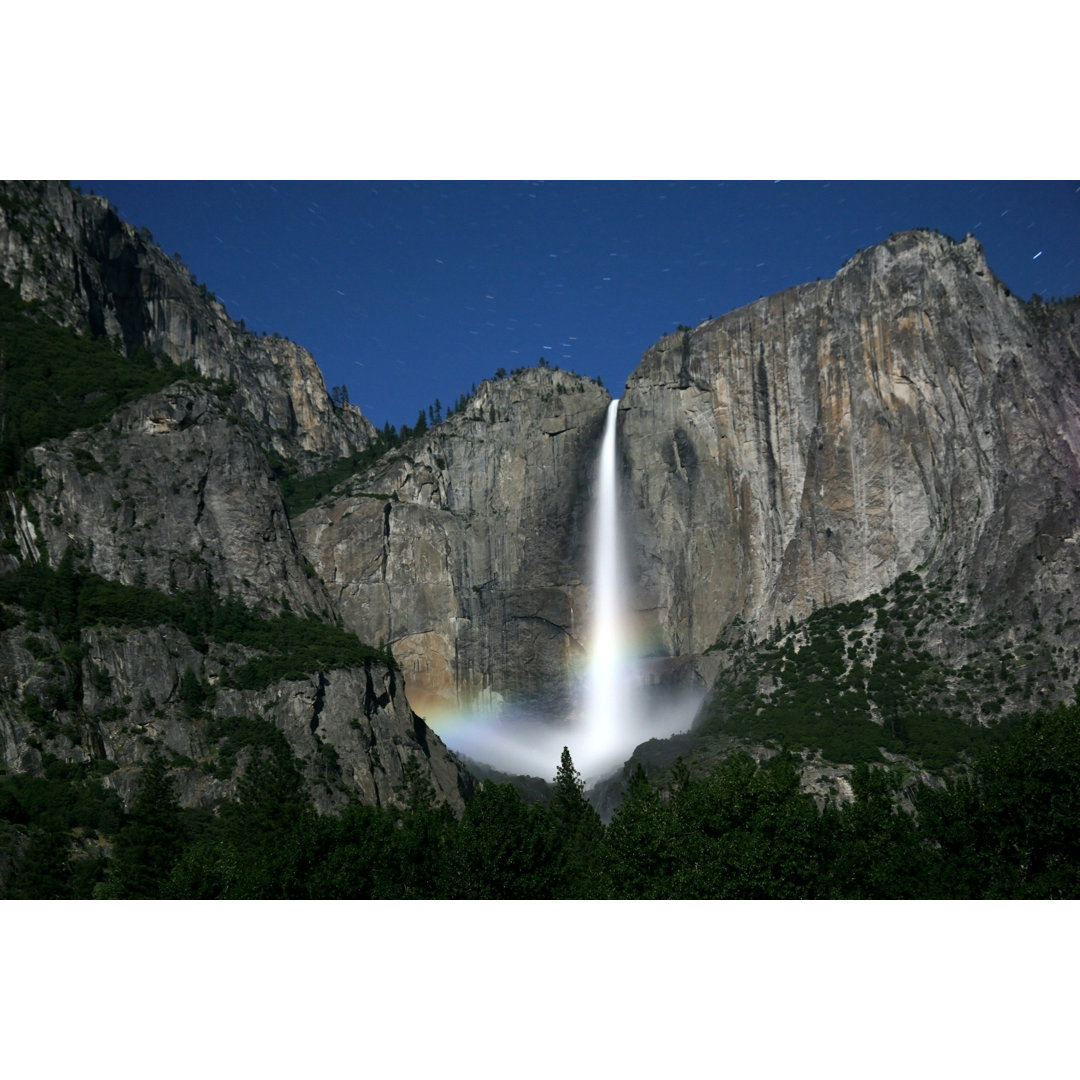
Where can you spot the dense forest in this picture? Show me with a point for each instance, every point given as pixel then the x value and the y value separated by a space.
pixel 1003 828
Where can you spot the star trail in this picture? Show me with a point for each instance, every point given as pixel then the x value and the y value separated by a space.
pixel 414 291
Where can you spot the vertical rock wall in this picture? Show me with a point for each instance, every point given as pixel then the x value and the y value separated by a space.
pixel 465 550
pixel 807 449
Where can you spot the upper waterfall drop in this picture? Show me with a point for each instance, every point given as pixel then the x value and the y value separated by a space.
pixel 618 711
pixel 607 696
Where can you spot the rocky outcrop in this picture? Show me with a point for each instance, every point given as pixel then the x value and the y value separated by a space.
pixel 800 452
pixel 465 550
pixel 809 448
pixel 117 698
pixel 173 493
pixel 100 275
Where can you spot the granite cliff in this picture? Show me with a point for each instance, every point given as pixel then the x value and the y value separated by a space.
pixel 93 271
pixel 465 550
pixel 855 508
pixel 909 414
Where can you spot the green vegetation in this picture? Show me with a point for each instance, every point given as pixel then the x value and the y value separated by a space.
pixel 232 734
pixel 300 493
pixel 303 492
pixel 54 381
pixel 150 841
pixel 53 827
pixel 292 646
pixel 49 829
pixel 857 679
pixel 1005 828
pixel 1055 311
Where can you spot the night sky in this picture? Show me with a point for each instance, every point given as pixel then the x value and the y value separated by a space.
pixel 412 292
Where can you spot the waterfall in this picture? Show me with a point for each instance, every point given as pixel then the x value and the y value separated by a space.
pixel 615 712
pixel 607 696
pixel 618 712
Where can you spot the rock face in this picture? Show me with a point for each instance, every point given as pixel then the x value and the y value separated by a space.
pixel 123 698
pixel 174 494
pixel 800 452
pixel 465 550
pixel 808 449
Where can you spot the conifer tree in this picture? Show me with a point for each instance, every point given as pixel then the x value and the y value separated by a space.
pixel 416 866
pixel 578 826
pixel 639 853
pixel 152 840
pixel 568 803
pixel 44 871
pixel 271 795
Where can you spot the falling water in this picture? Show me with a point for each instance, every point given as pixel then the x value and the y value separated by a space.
pixel 606 690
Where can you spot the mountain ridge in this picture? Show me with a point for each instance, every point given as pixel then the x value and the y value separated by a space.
pixel 95 272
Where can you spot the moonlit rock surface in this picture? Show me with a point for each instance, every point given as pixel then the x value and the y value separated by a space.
pixel 473 563
pixel 808 448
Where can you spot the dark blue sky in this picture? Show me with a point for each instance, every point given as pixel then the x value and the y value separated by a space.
pixel 408 292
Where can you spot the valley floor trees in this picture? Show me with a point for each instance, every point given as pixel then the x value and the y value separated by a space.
pixel 1004 829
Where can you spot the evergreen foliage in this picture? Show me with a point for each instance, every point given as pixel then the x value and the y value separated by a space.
pixel 577 826
pixel 43 823
pixel 639 857
pixel 504 849
pixel 54 381
pixel 151 840
pixel 853 680
pixel 1009 828
pixel 293 646
pixel 300 493
pixel 1005 828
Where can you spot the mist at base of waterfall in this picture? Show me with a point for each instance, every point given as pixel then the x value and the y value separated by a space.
pixel 516 742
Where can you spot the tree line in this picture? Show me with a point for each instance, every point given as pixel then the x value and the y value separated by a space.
pixel 1004 828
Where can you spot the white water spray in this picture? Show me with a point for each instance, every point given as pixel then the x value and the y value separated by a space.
pixel 607 697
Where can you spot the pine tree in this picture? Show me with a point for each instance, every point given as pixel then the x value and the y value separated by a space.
pixel 568 803
pixel 271 795
pixel 503 849
pixel 259 852
pixel 578 826
pixel 151 842
pixel 415 868
pixel 418 789
pixel 638 860
pixel 44 871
